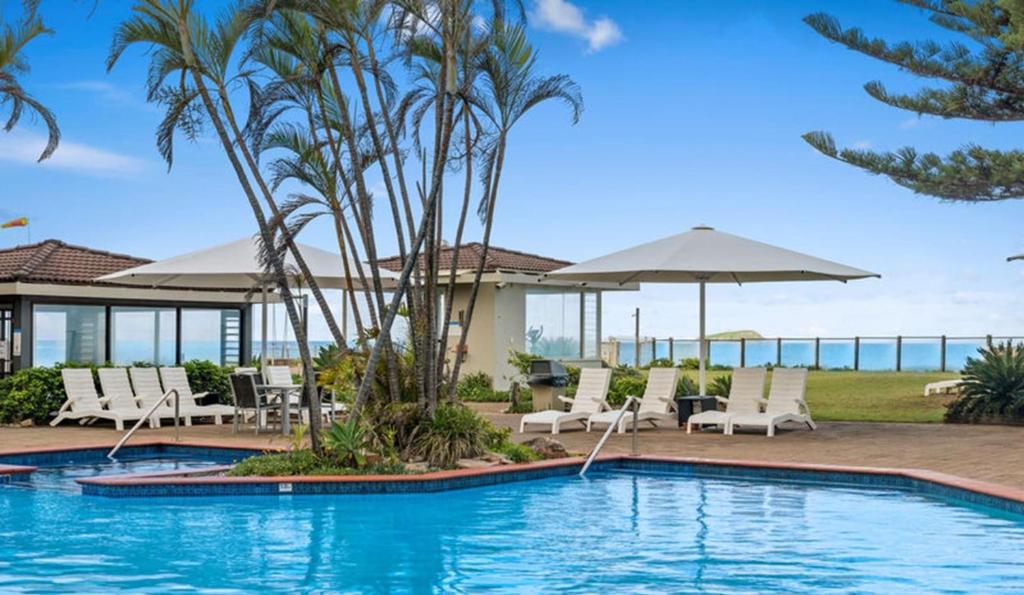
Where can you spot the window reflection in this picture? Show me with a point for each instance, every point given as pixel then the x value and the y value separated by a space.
pixel 64 333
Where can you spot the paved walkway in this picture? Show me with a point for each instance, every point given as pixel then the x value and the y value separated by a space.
pixel 988 453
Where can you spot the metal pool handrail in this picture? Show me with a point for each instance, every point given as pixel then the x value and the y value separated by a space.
pixel 149 414
pixel 635 402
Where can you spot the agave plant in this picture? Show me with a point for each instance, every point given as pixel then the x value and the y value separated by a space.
pixel 993 387
pixel 347 442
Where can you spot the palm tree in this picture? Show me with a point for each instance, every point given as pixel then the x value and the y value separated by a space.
pixel 510 90
pixel 182 43
pixel 13 39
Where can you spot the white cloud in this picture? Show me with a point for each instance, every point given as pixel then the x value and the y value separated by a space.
pixel 25 147
pixel 107 93
pixel 565 17
pixel 910 123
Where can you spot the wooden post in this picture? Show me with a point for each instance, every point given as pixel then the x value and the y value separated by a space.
pixel 899 353
pixel 988 341
pixel 671 350
pixel 817 353
pixel 856 353
pixel 778 351
pixel 743 352
pixel 942 354
pixel 654 349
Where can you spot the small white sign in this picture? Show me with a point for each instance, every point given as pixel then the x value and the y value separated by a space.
pixel 4 353
pixel 16 344
pixel 284 488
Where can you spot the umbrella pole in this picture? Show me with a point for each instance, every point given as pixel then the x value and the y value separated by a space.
pixel 702 345
pixel 263 333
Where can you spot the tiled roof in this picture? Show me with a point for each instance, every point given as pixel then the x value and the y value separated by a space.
pixel 501 259
pixel 53 261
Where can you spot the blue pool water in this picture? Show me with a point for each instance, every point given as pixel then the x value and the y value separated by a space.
pixel 615 531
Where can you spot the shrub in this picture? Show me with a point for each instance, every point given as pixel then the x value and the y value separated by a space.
pixel 686 387
pixel 624 386
pixel 32 393
pixel 661 362
pixel 720 386
pixel 517 453
pixel 993 388
pixel 305 462
pixel 455 432
pixel 690 363
pixel 205 376
pixel 477 386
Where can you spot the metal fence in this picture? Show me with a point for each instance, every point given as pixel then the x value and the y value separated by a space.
pixel 899 353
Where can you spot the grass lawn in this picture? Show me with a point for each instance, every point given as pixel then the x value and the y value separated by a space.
pixel 870 396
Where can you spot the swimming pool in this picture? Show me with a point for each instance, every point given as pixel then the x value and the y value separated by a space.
pixel 616 530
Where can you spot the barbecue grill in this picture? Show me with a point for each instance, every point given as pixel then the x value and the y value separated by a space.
pixel 547 381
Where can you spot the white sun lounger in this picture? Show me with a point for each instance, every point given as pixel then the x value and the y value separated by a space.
pixel 147 386
pixel 177 379
pixel 745 396
pixel 114 383
pixel 85 405
pixel 589 399
pixel 656 406
pixel 785 403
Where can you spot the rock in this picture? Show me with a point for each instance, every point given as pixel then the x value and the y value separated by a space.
pixel 549 448
pixel 474 464
pixel 417 467
pixel 26 423
pixel 494 457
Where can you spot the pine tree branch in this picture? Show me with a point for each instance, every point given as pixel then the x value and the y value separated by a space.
pixel 971 173
pixel 960 101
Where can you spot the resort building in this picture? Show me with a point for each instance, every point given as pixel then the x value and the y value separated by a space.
pixel 53 310
pixel 517 309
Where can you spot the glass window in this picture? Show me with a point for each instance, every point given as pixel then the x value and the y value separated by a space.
pixel 142 335
pixel 553 324
pixel 64 333
pixel 213 335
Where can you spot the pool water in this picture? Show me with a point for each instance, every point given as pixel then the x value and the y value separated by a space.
pixel 614 531
pixel 64 477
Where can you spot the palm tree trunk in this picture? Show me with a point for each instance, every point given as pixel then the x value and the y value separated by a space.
pixel 488 226
pixel 453 271
pixel 311 283
pixel 309 390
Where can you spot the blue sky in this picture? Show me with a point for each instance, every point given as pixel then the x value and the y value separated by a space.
pixel 694 112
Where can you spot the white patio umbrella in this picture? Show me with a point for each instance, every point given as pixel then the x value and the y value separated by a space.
pixel 236 265
pixel 704 255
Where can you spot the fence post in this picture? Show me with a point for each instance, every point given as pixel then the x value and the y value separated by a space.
pixel 817 353
pixel 856 354
pixel 942 354
pixel 671 350
pixel 743 352
pixel 778 351
pixel 654 349
pixel 636 340
pixel 988 341
pixel 899 353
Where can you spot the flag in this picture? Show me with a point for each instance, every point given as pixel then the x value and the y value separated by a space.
pixel 19 222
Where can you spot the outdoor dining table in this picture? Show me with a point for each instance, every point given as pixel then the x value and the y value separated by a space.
pixel 281 391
